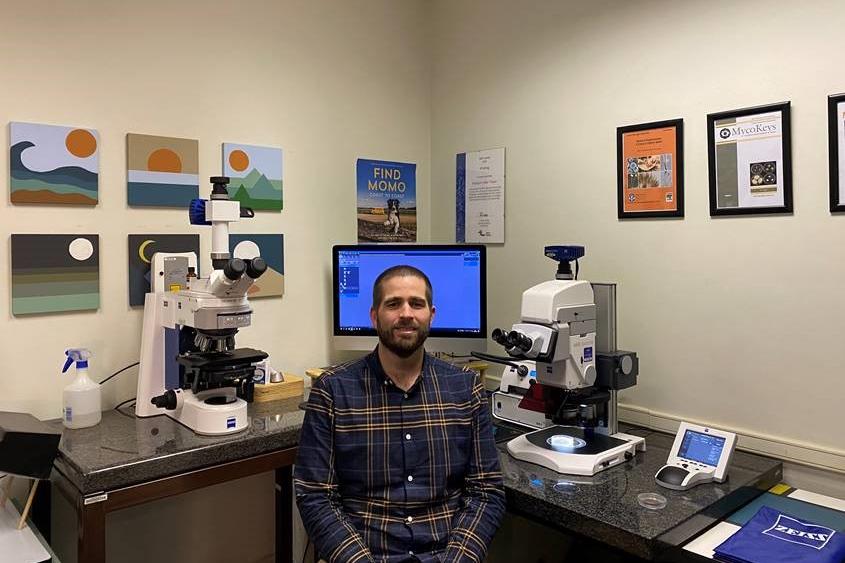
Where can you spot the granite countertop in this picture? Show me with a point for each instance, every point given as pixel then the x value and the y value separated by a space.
pixel 124 450
pixel 605 508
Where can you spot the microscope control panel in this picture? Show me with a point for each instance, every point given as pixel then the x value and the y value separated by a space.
pixel 699 455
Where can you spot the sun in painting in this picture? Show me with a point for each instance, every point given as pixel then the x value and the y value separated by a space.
pixel 238 160
pixel 164 160
pixel 80 143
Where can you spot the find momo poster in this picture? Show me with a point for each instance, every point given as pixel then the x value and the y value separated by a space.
pixel 387 201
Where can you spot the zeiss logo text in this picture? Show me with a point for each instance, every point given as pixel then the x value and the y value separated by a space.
pixel 795 531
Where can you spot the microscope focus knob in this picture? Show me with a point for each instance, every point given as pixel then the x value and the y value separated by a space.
pixel 626 364
pixel 590 374
pixel 234 269
pixel 256 267
pixel 168 401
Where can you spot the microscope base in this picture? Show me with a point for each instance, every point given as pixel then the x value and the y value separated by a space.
pixel 211 419
pixel 569 450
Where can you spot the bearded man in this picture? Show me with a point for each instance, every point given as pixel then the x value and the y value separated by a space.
pixel 397 460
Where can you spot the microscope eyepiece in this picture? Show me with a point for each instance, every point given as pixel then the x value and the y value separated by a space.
pixel 499 337
pixel 234 269
pixel 518 340
pixel 256 267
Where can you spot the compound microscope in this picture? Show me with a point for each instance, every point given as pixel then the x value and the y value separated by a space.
pixel 190 369
pixel 563 376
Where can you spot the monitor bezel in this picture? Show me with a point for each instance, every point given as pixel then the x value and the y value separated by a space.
pixel 435 332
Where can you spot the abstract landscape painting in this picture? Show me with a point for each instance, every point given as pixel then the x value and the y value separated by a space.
pixel 255 175
pixel 51 164
pixel 141 250
pixel 52 273
pixel 161 171
pixel 272 249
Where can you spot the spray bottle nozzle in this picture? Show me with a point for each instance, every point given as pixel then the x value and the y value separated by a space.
pixel 78 355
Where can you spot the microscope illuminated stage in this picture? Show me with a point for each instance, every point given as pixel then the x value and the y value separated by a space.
pixel 190 369
pixel 564 372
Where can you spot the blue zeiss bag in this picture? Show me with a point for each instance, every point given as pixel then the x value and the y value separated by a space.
pixel 774 537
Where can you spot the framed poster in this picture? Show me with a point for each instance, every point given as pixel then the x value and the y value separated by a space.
pixel 836 150
pixel 650 169
pixel 480 196
pixel 749 157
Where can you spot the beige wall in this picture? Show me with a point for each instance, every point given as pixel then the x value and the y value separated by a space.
pixel 327 81
pixel 737 321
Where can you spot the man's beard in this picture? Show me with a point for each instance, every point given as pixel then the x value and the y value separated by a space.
pixel 402 347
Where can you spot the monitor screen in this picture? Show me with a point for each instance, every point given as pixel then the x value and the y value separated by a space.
pixel 703 448
pixel 458 281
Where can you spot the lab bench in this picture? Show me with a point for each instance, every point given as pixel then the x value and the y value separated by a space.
pixel 126 461
pixel 604 508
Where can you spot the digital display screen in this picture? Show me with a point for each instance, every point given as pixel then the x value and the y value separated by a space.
pixel 700 447
pixel 458 281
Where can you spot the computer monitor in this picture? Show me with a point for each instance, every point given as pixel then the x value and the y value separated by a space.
pixel 458 274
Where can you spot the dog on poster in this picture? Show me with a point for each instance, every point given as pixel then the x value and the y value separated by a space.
pixel 392 210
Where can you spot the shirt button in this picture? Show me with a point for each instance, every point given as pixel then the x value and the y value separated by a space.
pixel 405 395
pixel 385 382
pixel 407 436
pixel 409 519
pixel 410 477
pixel 410 553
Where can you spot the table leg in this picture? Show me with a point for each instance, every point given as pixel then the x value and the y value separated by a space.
pixel 6 491
pixel 91 532
pixel 284 515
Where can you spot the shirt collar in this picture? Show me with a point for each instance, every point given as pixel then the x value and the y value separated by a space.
pixel 377 371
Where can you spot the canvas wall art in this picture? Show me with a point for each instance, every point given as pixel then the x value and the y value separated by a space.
pixel 53 273
pixel 51 164
pixel 272 249
pixel 255 175
pixel 141 250
pixel 161 171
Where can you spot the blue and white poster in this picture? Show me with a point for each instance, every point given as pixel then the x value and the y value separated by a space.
pixel 387 201
pixel 480 196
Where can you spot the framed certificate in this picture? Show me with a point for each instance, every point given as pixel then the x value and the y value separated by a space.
pixel 750 163
pixel 836 151
pixel 650 169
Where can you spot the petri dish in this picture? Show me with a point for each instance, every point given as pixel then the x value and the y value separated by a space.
pixel 652 501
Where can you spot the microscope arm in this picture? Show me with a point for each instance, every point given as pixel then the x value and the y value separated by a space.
pixel 521 370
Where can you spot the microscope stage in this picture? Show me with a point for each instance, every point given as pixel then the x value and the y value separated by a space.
pixel 568 449
pixel 221 360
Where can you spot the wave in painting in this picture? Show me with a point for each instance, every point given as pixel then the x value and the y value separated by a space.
pixel 68 184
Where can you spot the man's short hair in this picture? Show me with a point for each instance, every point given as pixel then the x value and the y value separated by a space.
pixel 400 271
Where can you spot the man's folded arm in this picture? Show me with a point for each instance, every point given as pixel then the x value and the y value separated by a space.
pixel 334 536
pixel 475 524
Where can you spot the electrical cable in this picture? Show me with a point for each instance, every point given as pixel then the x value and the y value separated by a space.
pixel 453 356
pixel 117 407
pixel 521 370
pixel 119 372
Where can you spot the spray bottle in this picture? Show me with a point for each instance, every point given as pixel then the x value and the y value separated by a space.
pixel 81 399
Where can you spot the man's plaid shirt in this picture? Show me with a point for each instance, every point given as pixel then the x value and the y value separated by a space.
pixel 388 476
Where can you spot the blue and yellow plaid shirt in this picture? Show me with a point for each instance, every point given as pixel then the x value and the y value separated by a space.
pixel 389 476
